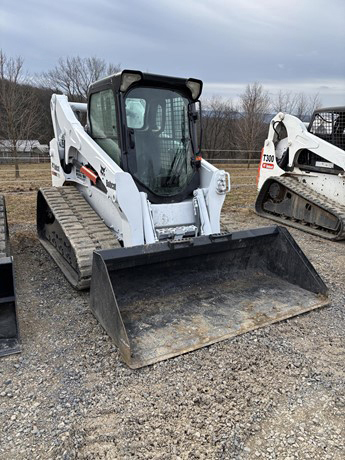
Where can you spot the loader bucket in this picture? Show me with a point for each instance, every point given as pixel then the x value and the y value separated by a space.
pixel 161 300
pixel 9 334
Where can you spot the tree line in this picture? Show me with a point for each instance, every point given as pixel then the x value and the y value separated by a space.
pixel 243 127
pixel 25 105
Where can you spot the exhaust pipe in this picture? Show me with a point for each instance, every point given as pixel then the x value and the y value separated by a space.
pixel 162 300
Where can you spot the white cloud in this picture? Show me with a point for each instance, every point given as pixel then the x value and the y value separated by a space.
pixel 331 92
pixel 215 40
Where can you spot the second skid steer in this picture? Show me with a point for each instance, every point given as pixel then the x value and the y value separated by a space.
pixel 301 177
pixel 135 210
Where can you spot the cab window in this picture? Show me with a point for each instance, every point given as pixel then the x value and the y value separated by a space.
pixel 103 123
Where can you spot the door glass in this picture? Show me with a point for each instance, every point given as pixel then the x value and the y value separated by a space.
pixel 103 123
pixel 163 148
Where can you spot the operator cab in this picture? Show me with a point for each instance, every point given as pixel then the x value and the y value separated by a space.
pixel 329 125
pixel 150 126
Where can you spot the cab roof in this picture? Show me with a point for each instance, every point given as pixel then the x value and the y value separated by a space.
pixel 146 79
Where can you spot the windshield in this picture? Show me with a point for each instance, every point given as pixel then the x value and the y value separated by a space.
pixel 160 135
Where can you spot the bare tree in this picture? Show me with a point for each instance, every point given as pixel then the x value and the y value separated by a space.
pixel 252 127
pixel 298 104
pixel 19 114
pixel 219 123
pixel 314 102
pixel 284 101
pixel 73 75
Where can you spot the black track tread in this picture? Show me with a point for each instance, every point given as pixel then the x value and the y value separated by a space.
pixel 314 198
pixel 84 229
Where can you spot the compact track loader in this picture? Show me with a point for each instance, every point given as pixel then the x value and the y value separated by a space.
pixel 301 177
pixel 135 210
pixel 9 332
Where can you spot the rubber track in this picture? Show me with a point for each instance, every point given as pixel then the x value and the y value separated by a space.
pixel 4 250
pixel 314 198
pixel 84 229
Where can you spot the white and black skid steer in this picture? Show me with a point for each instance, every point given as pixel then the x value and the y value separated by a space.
pixel 136 210
pixel 301 179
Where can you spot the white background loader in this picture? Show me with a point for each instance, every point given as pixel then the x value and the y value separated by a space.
pixel 301 178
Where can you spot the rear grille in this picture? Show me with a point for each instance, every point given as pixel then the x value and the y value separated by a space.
pixel 329 126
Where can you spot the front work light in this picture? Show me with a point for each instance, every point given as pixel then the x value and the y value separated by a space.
pixel 195 88
pixel 127 79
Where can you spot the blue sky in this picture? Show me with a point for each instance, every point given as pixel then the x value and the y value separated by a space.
pixel 295 46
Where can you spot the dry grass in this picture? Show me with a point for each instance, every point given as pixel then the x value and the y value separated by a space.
pixel 32 176
pixel 243 186
pixel 21 193
pixel 21 208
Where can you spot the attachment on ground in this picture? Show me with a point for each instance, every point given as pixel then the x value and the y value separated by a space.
pixel 157 302
pixel 9 331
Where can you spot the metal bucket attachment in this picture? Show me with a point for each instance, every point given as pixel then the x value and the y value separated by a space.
pixel 162 300
pixel 9 333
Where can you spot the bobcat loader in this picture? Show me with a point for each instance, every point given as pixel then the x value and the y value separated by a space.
pixel 135 210
pixel 9 332
pixel 301 177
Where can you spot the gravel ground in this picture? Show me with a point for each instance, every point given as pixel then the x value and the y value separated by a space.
pixel 275 393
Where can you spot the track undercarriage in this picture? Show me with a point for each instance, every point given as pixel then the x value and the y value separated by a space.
pixel 70 230
pixel 287 201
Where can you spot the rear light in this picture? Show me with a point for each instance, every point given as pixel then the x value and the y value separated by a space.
pixel 197 161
